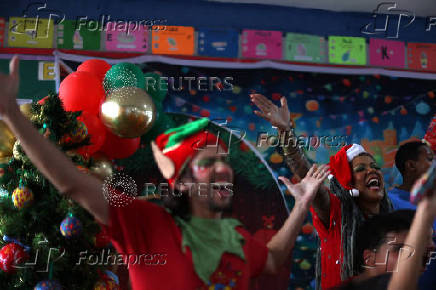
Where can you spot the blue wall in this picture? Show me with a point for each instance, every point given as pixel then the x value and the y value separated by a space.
pixel 202 13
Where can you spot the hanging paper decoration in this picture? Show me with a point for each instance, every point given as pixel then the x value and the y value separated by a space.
pixel 70 35
pixel 304 47
pixel 173 40
pixel 422 108
pixel 347 50
pixel 388 53
pixel 125 37
pixel 218 42
pixel 30 32
pixel 421 56
pixel 262 44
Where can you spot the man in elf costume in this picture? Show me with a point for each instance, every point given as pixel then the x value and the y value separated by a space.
pixel 188 246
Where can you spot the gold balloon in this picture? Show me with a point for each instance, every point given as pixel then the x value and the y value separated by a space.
pixel 102 167
pixel 128 112
pixel 7 140
pixel 26 110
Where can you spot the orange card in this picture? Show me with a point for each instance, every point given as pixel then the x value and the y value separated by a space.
pixel 173 40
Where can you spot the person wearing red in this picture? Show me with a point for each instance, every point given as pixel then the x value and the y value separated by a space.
pixel 187 245
pixel 356 192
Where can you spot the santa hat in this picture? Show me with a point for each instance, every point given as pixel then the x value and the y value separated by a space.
pixel 340 166
pixel 176 147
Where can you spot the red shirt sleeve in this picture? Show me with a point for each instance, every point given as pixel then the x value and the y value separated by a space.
pixel 255 252
pixel 126 225
pixel 335 216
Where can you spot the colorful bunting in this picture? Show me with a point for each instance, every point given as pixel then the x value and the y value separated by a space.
pixel 262 44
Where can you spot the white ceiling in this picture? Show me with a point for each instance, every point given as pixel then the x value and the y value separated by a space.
pixel 421 8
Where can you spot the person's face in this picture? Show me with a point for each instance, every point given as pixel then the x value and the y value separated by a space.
pixel 425 158
pixel 367 178
pixel 213 178
pixel 393 250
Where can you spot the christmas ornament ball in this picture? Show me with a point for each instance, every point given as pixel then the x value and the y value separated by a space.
pixel 48 285
pixel 10 255
pixel 22 197
pixel 70 227
pixel 128 112
pixel 106 285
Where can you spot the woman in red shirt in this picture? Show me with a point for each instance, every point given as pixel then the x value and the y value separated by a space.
pixel 356 193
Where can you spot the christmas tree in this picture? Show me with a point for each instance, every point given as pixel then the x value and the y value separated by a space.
pixel 43 233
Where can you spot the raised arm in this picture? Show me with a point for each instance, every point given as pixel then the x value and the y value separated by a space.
pixel 410 263
pixel 297 162
pixel 52 162
pixel 304 193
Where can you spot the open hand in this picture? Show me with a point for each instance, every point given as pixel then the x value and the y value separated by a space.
pixel 304 192
pixel 278 117
pixel 9 87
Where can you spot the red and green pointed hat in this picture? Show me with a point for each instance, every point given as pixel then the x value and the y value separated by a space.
pixel 176 147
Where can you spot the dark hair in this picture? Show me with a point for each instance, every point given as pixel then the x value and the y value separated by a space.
pixel 178 203
pixel 372 232
pixel 407 151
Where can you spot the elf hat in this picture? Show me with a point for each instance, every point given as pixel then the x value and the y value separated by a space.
pixel 176 147
pixel 340 166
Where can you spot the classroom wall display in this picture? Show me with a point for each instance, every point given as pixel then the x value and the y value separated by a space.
pixel 261 44
pixel 421 56
pixel 305 48
pixel 123 37
pixel 217 42
pixel 347 50
pixel 178 40
pixel 30 32
pixel 387 53
pixel 70 36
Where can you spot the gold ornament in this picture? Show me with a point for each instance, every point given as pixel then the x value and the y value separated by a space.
pixel 26 110
pixel 102 167
pixel 7 140
pixel 16 152
pixel 128 112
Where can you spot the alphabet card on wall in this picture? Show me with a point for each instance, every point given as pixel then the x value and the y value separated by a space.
pixel 262 44
pixel 218 42
pixel 421 56
pixel 30 32
pixel 347 50
pixel 173 40
pixel 123 37
pixel 387 53
pixel 303 47
pixel 72 35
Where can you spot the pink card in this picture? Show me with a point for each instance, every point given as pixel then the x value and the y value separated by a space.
pixel 262 44
pixel 388 53
pixel 119 38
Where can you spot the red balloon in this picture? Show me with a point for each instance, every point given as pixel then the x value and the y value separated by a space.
pixel 82 91
pixel 96 132
pixel 97 67
pixel 119 148
pixel 11 255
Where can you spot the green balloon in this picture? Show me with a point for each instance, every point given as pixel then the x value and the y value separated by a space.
pixel 123 74
pixel 155 87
